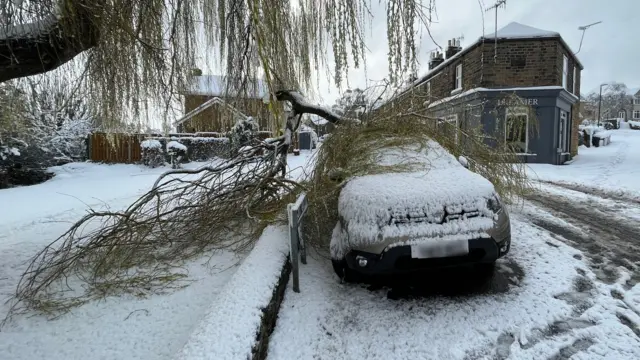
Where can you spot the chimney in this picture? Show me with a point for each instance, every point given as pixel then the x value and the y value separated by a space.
pixel 435 59
pixel 453 48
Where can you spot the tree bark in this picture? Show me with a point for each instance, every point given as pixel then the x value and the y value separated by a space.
pixel 300 106
pixel 35 48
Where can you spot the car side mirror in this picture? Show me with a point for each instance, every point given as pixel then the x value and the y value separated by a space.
pixel 463 161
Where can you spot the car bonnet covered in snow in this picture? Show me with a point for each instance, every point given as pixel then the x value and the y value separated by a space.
pixel 438 199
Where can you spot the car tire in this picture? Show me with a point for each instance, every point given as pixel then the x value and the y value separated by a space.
pixel 485 271
pixel 344 272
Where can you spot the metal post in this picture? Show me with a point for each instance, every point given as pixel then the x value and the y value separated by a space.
pixel 293 256
pixel 600 104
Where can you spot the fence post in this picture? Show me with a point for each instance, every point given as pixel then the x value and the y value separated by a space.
pixel 129 141
pixel 298 252
pixel 293 237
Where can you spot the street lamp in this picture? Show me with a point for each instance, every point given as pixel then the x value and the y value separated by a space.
pixel 584 29
pixel 600 103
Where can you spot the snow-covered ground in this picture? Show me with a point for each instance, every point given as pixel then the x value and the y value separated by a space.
pixel 569 288
pixel 613 168
pixel 551 304
pixel 116 328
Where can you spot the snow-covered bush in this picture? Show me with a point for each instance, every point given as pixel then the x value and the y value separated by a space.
pixel 177 152
pixel 19 165
pixel 152 154
pixel 206 148
pixel 243 132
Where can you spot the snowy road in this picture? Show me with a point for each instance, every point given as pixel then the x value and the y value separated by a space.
pixel 568 289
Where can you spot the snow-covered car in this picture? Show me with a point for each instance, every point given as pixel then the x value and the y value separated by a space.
pixel 440 214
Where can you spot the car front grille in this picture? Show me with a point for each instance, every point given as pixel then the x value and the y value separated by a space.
pixel 440 217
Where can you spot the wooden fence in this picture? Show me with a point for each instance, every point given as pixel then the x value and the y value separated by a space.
pixel 115 148
pixel 125 148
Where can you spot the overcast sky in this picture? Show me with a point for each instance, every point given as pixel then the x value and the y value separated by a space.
pixel 610 50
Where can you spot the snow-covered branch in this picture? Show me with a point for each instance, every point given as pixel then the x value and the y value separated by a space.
pixel 300 106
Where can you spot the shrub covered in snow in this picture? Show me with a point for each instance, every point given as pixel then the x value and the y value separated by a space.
pixel 152 154
pixel 19 166
pixel 634 125
pixel 243 132
pixel 156 151
pixel 177 153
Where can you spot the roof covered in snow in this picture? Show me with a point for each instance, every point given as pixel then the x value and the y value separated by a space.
pixel 633 91
pixel 515 30
pixel 215 85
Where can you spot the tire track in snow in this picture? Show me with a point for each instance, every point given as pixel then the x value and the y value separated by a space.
pixel 607 241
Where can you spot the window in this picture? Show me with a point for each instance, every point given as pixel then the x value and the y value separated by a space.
pixel 636 100
pixel 565 71
pixel 636 114
pixel 622 114
pixel 575 78
pixel 563 132
pixel 448 126
pixel 458 77
pixel 516 131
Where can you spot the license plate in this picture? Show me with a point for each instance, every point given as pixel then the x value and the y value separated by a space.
pixel 440 249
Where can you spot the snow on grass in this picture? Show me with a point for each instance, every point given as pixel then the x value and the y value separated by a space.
pixel 613 168
pixel 119 327
pixel 229 329
pixel 328 320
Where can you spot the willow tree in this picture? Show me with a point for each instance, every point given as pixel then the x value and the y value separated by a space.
pixel 136 50
pixel 133 52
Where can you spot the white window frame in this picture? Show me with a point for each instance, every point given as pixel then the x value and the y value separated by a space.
pixel 458 77
pixel 451 119
pixel 575 72
pixel 565 72
pixel 622 114
pixel 636 100
pixel 636 114
pixel 526 139
pixel 563 130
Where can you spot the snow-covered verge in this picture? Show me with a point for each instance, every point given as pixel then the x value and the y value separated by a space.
pixel 124 327
pixel 551 308
pixel 614 168
pixel 228 331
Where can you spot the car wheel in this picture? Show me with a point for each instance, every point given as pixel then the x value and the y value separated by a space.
pixel 345 273
pixel 485 271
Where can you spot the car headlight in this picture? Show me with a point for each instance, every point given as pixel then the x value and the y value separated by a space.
pixel 494 204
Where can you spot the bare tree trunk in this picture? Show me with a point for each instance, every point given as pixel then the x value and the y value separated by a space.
pixel 41 46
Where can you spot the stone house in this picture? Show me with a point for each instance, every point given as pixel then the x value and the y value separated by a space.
pixel 210 107
pixel 634 111
pixel 474 87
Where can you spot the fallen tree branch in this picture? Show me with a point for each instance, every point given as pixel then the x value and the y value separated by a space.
pixel 301 106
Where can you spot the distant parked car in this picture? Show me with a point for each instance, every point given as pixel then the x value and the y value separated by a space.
pixel 440 215
pixel 610 124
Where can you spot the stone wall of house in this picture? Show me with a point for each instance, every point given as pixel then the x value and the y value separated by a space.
pixel 516 63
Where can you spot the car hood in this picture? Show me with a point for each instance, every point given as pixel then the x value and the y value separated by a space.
pixel 437 185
